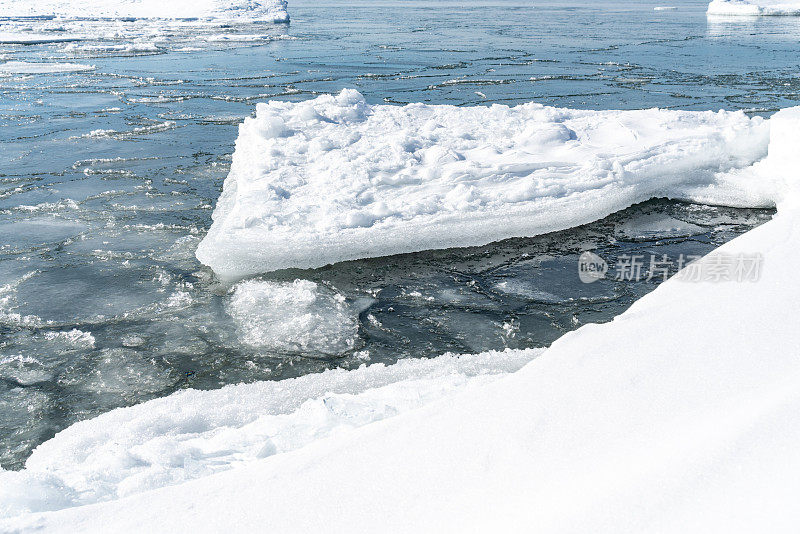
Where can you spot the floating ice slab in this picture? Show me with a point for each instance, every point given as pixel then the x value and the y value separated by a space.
pixel 243 10
pixel 753 8
pixel 335 178
pixel 293 316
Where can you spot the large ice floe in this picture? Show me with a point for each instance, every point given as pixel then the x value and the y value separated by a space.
pixel 680 415
pixel 263 10
pixel 335 178
pixel 754 8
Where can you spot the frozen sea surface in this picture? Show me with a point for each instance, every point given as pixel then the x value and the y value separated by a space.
pixel 109 173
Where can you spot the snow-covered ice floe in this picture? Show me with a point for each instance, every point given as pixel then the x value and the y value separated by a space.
pixel 137 27
pixel 193 434
pixel 754 8
pixel 126 48
pixel 678 416
pixel 335 178
pixel 249 10
pixel 28 38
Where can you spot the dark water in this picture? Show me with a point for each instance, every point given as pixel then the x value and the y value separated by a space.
pixel 108 178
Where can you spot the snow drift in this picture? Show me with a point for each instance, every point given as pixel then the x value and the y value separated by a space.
pixel 680 415
pixel 240 10
pixel 335 178
pixel 748 8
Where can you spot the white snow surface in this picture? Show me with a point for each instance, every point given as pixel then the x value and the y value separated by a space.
pixel 753 8
pixel 681 415
pixel 335 178
pixel 193 434
pixel 240 10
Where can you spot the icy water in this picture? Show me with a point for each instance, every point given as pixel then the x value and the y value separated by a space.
pixel 109 173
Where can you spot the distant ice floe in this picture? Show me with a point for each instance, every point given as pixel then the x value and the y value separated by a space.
pixel 754 8
pixel 27 38
pixel 240 10
pixel 665 8
pixel 102 28
pixel 335 178
pixel 27 67
pixel 141 130
pixel 125 48
pixel 192 434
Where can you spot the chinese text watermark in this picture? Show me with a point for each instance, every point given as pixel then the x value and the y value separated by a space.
pixel 718 267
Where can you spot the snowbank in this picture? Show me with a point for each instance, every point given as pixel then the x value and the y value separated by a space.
pixel 193 434
pixel 242 10
pixel 748 8
pixel 680 415
pixel 335 178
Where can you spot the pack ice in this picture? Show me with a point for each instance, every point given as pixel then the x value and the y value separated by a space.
pixel 335 178
pixel 681 415
pixel 759 7
pixel 241 10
